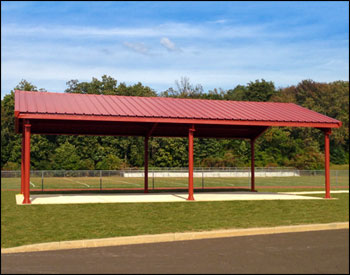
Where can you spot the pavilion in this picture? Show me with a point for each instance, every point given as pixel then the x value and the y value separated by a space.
pixel 49 113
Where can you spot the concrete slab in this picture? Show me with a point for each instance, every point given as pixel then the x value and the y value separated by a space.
pixel 314 192
pixel 157 197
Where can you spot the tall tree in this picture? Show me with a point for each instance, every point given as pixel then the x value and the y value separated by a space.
pixel 184 89
pixel 259 91
pixel 66 157
pixel 331 99
pixel 11 142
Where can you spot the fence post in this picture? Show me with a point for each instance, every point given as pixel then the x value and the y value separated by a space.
pixel 100 180
pixel 42 181
pixel 202 180
pixel 153 180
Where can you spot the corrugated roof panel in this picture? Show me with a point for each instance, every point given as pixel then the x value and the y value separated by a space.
pixel 78 108
pixel 131 111
pixel 183 109
pixel 49 107
pixel 163 109
pixel 153 109
pixel 160 107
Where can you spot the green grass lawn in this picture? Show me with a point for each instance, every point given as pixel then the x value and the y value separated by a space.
pixel 339 179
pixel 22 225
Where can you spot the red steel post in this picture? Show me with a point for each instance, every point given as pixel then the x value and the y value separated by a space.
pixel 190 163
pixel 252 166
pixel 146 165
pixel 22 164
pixel 326 153
pixel 26 162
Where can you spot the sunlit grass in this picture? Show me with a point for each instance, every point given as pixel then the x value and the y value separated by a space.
pixel 22 225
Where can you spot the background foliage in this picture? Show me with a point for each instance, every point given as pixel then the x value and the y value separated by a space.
pixel 279 146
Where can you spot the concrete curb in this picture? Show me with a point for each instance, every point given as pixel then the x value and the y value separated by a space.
pixel 170 237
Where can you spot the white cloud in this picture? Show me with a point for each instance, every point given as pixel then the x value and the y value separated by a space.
pixel 169 45
pixel 41 56
pixel 137 47
pixel 173 29
pixel 162 30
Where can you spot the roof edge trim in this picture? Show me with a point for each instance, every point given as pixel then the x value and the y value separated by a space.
pixel 181 120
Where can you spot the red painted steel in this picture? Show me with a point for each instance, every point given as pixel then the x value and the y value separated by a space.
pixel 22 165
pixel 326 152
pixel 150 132
pixel 159 109
pixel 146 165
pixel 26 199
pixel 55 113
pixel 180 120
pixel 190 163
pixel 252 166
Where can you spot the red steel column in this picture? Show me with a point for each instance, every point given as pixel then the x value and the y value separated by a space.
pixel 326 166
pixel 146 165
pixel 190 163
pixel 252 166
pixel 22 164
pixel 26 162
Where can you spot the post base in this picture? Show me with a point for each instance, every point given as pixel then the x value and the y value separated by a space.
pixel 26 201
pixel 190 198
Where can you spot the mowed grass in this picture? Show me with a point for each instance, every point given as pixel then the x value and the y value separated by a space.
pixel 342 179
pixel 22 225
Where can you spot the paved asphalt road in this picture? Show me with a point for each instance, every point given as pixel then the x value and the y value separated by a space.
pixel 306 252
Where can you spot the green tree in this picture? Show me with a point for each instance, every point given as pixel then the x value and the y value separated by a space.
pixel 65 157
pixel 86 164
pixel 135 90
pixel 331 99
pixel 136 155
pixel 238 93
pixel 11 143
pixel 108 86
pixel 259 91
pixel 110 162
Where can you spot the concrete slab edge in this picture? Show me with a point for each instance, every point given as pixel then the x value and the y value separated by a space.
pixel 170 237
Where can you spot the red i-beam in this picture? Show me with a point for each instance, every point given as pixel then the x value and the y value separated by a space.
pixel 190 163
pixel 26 162
pixel 327 132
pixel 22 164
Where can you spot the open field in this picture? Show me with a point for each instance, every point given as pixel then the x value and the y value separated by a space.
pixel 339 166
pixel 22 225
pixel 338 180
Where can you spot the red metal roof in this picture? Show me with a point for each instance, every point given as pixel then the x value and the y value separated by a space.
pixel 47 105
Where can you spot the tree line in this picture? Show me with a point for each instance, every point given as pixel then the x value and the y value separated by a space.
pixel 302 148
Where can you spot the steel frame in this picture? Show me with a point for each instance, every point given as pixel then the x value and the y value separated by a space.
pixel 25 160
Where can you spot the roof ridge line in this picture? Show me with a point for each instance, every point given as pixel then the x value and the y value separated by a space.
pixel 158 97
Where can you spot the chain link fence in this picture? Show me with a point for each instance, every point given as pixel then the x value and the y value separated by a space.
pixel 172 178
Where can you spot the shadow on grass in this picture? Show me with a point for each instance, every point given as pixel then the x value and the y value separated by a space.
pixel 138 191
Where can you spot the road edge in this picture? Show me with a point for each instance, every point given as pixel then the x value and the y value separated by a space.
pixel 170 237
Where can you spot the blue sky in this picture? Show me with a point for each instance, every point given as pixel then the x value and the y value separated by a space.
pixel 215 44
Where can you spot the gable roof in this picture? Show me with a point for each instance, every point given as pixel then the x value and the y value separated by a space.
pixel 47 105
